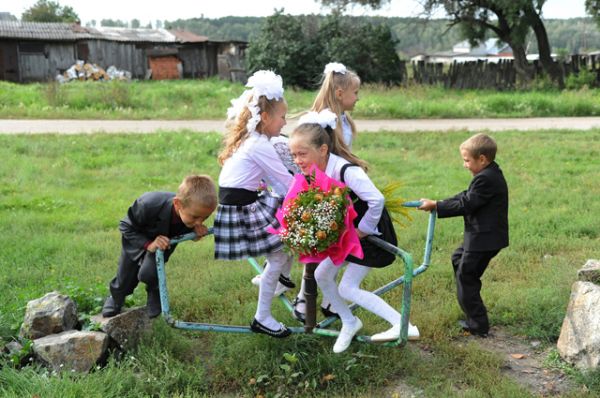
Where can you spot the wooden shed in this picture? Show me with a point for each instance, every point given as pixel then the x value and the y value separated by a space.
pixel 33 51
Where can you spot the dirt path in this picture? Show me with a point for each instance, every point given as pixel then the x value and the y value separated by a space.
pixel 523 362
pixel 149 126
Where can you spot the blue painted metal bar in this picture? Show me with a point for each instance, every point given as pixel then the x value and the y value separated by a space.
pixel 426 261
pixel 405 279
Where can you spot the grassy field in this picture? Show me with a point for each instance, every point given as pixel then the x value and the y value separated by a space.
pixel 61 198
pixel 209 99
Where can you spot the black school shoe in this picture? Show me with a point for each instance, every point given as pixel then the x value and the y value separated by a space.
pixel 287 282
pixel 475 332
pixel 153 307
pixel 258 327
pixel 328 313
pixel 111 307
pixel 299 316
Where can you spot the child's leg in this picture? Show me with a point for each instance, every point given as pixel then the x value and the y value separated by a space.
pixel 325 277
pixel 149 275
pixel 468 283
pixel 122 285
pixel 301 299
pixel 278 262
pixel 350 290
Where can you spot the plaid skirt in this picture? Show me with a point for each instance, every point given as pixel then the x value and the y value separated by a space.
pixel 241 231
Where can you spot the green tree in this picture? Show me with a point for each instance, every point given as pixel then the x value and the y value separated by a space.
pixel 135 23
pixel 115 23
pixel 509 20
pixel 49 11
pixel 281 47
pixel 593 9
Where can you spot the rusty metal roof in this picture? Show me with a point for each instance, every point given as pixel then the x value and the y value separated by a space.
pixel 184 36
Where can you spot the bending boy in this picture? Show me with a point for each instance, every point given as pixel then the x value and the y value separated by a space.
pixel 151 221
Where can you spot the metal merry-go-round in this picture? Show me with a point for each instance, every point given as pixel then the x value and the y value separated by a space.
pixel 310 325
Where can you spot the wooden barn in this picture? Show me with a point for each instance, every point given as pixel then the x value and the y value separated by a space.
pixel 35 51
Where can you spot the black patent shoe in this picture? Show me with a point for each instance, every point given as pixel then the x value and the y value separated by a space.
pixel 475 332
pixel 299 316
pixel 328 313
pixel 287 282
pixel 258 327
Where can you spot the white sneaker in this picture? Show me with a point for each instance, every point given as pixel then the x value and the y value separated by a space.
pixel 346 335
pixel 393 334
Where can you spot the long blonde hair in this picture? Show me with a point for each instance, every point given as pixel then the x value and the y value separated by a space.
pixel 237 130
pixel 326 97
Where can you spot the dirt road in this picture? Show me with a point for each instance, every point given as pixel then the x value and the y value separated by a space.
pixel 150 126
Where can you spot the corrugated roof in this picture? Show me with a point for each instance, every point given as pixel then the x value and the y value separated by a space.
pixel 72 32
pixel 134 35
pixel 41 31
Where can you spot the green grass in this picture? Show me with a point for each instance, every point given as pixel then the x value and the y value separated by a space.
pixel 61 198
pixel 209 99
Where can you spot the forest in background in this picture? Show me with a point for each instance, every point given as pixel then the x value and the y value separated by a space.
pixel 413 35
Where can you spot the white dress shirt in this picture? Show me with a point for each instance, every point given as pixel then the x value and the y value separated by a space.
pixel 253 161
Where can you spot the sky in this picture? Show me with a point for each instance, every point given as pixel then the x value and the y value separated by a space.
pixel 152 10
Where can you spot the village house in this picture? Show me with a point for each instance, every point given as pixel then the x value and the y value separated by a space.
pixel 491 50
pixel 37 51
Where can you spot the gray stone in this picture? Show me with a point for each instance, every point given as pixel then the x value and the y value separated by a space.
pixel 579 341
pixel 127 328
pixel 590 272
pixel 53 313
pixel 72 350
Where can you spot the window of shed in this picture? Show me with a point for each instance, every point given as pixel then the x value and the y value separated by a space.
pixel 36 48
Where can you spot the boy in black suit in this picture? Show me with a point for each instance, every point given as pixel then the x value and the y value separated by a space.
pixel 151 221
pixel 484 207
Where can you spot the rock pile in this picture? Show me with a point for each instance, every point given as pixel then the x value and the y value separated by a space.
pixel 51 323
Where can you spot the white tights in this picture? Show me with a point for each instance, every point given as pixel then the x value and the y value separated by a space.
pixel 279 262
pixel 349 289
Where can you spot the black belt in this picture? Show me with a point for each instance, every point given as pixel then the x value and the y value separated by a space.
pixel 236 196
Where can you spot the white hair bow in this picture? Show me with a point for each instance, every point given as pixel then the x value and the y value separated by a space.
pixel 262 82
pixel 324 118
pixel 335 67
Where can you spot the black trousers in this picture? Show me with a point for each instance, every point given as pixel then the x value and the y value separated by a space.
pixel 130 273
pixel 468 267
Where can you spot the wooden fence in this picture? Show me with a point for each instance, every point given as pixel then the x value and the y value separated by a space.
pixel 491 75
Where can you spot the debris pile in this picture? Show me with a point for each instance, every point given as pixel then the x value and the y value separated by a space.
pixel 87 71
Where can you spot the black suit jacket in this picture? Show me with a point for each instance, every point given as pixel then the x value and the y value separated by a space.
pixel 148 217
pixel 484 206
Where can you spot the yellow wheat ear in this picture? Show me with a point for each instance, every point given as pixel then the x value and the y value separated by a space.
pixel 393 202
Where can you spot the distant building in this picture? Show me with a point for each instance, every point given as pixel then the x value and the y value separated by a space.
pixel 491 50
pixel 35 51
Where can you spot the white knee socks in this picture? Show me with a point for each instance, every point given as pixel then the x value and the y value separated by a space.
pixel 279 262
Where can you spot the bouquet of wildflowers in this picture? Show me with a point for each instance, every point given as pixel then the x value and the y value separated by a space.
pixel 317 220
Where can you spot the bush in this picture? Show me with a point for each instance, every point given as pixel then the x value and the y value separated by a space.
pixel 584 78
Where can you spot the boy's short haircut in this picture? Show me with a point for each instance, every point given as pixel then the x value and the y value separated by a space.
pixel 198 189
pixel 480 144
